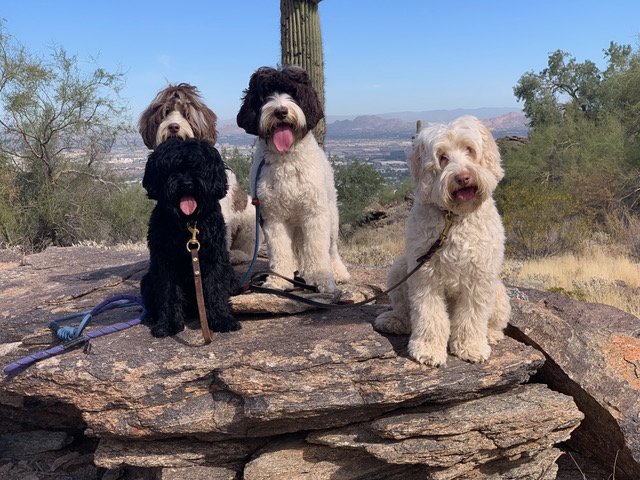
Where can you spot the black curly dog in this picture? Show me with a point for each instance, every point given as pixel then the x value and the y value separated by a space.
pixel 187 178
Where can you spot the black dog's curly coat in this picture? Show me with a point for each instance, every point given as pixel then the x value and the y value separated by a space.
pixel 187 178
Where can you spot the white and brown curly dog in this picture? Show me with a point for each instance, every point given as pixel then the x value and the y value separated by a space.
pixel 296 186
pixel 457 298
pixel 178 111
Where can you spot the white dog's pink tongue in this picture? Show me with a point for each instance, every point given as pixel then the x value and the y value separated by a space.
pixel 283 138
pixel 188 205
pixel 465 194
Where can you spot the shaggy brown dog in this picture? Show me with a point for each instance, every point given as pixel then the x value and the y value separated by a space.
pixel 177 111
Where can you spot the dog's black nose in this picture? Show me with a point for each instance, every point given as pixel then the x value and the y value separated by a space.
pixel 174 128
pixel 281 113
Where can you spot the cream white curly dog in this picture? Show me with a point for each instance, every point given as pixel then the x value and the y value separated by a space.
pixel 457 297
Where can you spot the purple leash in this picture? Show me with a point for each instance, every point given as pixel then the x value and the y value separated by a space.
pixel 74 337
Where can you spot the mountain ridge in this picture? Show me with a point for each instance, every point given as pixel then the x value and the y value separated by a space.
pixel 509 121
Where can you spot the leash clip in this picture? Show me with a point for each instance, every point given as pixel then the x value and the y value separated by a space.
pixel 193 241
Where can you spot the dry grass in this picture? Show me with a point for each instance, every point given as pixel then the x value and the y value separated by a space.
pixel 602 274
pixel 598 275
pixel 373 247
pixel 376 245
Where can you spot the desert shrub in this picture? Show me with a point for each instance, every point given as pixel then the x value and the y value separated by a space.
pixel 540 219
pixel 623 228
pixel 124 216
pixel 358 185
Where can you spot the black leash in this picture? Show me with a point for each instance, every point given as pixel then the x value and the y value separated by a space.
pixel 253 287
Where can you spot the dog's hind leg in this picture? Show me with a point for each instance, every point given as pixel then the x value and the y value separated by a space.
pixel 397 319
pixel 500 315
pixel 278 236
pixel 168 300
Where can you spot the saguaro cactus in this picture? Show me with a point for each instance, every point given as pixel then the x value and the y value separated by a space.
pixel 301 44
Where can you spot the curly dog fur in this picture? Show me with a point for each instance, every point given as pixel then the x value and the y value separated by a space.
pixel 177 111
pixel 187 179
pixel 296 186
pixel 457 298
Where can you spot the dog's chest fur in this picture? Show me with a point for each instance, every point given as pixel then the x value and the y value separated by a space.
pixel 294 183
pixel 471 248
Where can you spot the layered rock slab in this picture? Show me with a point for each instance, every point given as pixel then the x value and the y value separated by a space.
pixel 593 354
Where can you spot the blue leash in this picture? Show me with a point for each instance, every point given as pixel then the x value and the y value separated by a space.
pixel 256 202
pixel 73 336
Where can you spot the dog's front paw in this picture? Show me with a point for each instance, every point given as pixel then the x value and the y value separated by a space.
pixel 389 322
pixel 277 283
pixel 341 273
pixel 164 329
pixel 224 324
pixel 471 351
pixel 494 336
pixel 427 354
pixel 324 282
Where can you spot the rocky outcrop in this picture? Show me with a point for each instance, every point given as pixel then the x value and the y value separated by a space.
pixel 307 395
pixel 593 354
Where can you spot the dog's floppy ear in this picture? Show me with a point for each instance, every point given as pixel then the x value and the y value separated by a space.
pixel 216 174
pixel 490 152
pixel 206 124
pixel 305 95
pixel 248 117
pixel 201 118
pixel 151 181
pixel 414 159
pixel 420 150
pixel 148 124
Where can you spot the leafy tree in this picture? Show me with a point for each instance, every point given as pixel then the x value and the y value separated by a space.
pixel 563 79
pixel 57 125
pixel 581 166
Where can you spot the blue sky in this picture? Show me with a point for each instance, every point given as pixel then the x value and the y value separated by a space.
pixel 380 56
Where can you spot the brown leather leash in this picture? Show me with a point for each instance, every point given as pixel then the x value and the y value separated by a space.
pixel 193 246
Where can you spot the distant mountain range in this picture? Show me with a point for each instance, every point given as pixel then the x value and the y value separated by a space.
pixel 390 126
pixel 501 121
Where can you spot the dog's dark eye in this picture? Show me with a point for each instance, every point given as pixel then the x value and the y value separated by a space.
pixel 471 152
pixel 443 159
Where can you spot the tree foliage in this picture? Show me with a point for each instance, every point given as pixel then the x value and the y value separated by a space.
pixel 58 123
pixel 581 165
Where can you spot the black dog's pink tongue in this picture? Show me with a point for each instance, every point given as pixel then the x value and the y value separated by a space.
pixel 188 205
pixel 283 138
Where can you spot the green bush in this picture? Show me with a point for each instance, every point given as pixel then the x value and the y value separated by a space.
pixel 540 219
pixel 358 185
